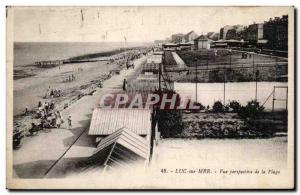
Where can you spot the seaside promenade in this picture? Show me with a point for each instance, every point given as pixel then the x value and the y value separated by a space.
pixel 49 151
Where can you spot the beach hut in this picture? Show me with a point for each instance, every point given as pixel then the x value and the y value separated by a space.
pixel 122 149
pixel 202 42
pixel 106 121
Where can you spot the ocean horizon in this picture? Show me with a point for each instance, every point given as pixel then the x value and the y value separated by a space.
pixel 26 53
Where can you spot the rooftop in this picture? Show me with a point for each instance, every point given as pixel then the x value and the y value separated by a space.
pixel 107 121
pixel 121 148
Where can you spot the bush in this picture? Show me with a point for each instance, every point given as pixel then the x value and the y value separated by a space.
pixel 200 105
pixel 251 110
pixel 218 107
pixel 235 106
pixel 169 123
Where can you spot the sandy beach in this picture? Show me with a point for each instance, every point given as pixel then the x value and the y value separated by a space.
pixel 28 91
pixel 64 144
pixel 87 77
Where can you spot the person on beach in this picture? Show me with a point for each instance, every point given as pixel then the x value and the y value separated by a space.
pixel 26 110
pixel 51 106
pixel 51 93
pixel 124 85
pixel 39 104
pixel 34 129
pixel 59 117
pixel 58 121
pixel 69 122
pixel 46 107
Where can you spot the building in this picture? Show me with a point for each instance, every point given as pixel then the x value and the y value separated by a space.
pixel 177 38
pixel 123 137
pixel 253 33
pixel 231 32
pixel 190 36
pixel 235 33
pixel 202 42
pixel 209 34
pixel 214 36
pixel 186 46
pixel 224 30
pixel 106 121
pixel 122 149
pixel 221 33
pixel 276 32
pixel 219 44
pixel 170 47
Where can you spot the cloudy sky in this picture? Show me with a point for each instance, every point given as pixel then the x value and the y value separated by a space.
pixel 142 24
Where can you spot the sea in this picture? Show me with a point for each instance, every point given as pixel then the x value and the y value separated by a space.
pixel 26 53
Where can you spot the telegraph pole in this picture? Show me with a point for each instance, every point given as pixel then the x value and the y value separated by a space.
pixel 253 63
pixel 196 80
pixel 224 87
pixel 159 78
pixel 230 59
pixel 256 77
pixel 276 68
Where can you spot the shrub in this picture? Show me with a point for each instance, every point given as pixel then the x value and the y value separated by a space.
pixel 218 107
pixel 251 110
pixel 200 105
pixel 235 106
pixel 169 123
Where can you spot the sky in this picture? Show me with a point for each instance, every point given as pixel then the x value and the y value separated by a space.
pixel 137 24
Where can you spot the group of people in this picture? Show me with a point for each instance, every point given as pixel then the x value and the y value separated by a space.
pixel 53 93
pixel 49 118
pixel 129 64
pixel 126 58
pixel 245 55
pixel 69 78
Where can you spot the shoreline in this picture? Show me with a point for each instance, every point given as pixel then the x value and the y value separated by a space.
pixel 29 70
pixel 88 79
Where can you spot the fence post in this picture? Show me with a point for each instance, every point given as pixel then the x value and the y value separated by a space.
pixel 286 105
pixel 273 99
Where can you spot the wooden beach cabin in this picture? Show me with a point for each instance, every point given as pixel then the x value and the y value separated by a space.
pixel 202 42
pixel 121 135
pixel 122 149
pixel 106 121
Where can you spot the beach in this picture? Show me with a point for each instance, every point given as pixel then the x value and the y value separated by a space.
pixel 62 143
pixel 72 80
